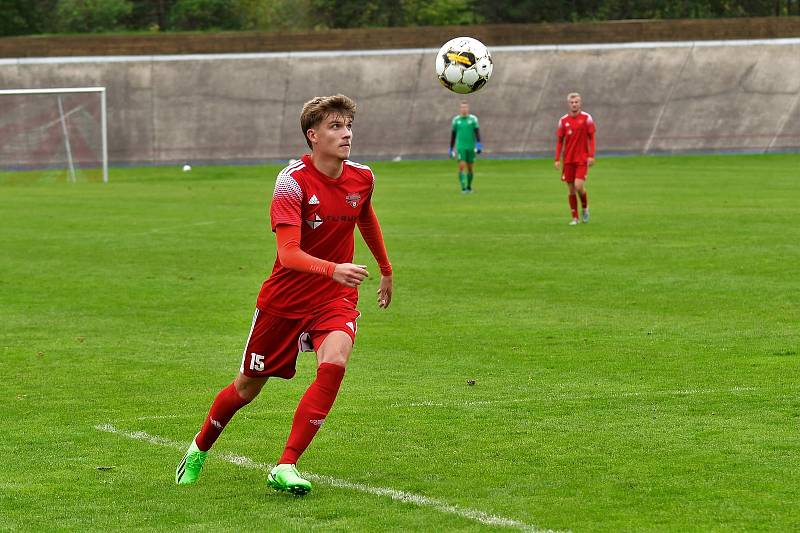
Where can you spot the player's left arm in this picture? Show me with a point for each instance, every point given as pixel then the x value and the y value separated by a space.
pixel 370 229
pixel 591 138
pixel 478 145
pixel 452 137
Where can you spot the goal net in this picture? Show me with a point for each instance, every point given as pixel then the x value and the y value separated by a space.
pixel 53 134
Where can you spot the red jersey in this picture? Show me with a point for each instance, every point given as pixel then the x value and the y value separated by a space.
pixel 327 210
pixel 576 137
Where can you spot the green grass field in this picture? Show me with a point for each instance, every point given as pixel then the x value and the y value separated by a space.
pixel 639 373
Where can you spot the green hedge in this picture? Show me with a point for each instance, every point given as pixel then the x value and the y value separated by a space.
pixel 26 17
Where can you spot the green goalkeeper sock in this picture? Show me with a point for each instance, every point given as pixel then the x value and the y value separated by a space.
pixel 462 178
pixel 469 180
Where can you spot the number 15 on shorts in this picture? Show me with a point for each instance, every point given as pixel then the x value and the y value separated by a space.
pixel 256 362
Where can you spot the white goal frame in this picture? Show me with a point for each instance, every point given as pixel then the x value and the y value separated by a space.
pixel 103 119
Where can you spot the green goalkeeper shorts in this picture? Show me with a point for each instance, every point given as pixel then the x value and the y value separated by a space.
pixel 466 154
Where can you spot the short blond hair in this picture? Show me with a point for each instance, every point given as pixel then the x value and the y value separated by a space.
pixel 321 107
pixel 570 96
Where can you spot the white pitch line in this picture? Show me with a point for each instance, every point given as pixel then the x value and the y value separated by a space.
pixel 566 396
pixel 185 226
pixel 470 403
pixel 163 417
pixel 398 495
pixel 245 416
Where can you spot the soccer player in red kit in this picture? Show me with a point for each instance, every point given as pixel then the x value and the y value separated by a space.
pixel 309 301
pixel 576 143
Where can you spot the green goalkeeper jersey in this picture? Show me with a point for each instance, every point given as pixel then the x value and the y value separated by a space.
pixel 465 127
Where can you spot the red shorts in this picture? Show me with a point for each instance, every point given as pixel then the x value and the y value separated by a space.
pixel 574 171
pixel 274 341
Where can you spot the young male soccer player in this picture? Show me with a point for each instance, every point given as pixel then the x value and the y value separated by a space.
pixel 309 301
pixel 576 142
pixel 465 142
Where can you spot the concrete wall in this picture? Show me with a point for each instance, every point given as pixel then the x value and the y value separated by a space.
pixel 646 98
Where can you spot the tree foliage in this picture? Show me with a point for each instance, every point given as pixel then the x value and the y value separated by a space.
pixel 22 17
pixel 86 16
pixel 205 15
pixel 578 10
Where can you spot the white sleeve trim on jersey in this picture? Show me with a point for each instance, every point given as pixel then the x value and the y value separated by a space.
pixel 357 165
pixel 286 185
pixel 589 118
pixel 362 167
pixel 297 165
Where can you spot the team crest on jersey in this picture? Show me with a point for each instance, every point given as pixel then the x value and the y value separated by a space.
pixel 314 222
pixel 352 199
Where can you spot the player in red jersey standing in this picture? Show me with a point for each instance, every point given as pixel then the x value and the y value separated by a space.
pixel 309 301
pixel 576 143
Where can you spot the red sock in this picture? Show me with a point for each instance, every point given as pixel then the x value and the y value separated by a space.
pixel 222 410
pixel 584 200
pixel 312 410
pixel 573 205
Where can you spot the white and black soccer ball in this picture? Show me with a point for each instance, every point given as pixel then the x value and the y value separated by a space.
pixel 463 65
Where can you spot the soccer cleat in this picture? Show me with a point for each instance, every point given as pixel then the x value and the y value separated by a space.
pixel 585 216
pixel 574 222
pixel 191 465
pixel 285 477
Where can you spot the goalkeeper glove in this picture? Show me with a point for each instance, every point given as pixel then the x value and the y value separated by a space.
pixel 478 148
pixel 452 153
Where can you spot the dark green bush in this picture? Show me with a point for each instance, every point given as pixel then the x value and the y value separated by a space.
pixel 88 16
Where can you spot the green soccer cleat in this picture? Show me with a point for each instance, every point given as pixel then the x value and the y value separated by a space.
pixel 190 466
pixel 286 478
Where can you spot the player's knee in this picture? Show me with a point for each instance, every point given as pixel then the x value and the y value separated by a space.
pixel 335 349
pixel 335 357
pixel 248 388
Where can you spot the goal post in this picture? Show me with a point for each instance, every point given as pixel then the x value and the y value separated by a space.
pixel 54 128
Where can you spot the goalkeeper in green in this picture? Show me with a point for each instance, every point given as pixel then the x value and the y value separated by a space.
pixel 465 142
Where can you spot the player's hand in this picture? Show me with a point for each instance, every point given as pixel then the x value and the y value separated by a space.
pixel 478 148
pixel 558 165
pixel 590 161
pixel 385 292
pixel 350 275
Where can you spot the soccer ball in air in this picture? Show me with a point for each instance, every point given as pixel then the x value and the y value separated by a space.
pixel 463 65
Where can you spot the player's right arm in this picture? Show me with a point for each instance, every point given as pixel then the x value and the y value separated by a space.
pixel 294 258
pixel 559 144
